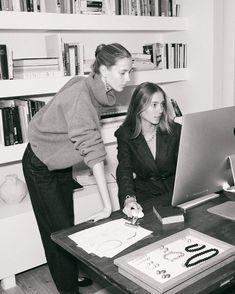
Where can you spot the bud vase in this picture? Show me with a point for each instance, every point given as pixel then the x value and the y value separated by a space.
pixel 13 190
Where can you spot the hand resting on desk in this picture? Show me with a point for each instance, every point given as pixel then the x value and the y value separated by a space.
pixel 133 209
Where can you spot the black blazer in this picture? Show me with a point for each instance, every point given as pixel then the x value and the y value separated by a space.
pixel 138 172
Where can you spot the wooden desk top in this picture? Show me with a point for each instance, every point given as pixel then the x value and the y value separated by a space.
pixel 196 218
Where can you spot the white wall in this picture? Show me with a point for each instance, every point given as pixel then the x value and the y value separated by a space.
pixel 228 52
pixel 204 88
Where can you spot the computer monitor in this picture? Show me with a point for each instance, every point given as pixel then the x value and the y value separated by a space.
pixel 207 139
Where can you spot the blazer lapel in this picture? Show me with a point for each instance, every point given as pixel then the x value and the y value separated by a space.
pixel 144 152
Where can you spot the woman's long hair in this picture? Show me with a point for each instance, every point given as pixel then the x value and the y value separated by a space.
pixel 140 100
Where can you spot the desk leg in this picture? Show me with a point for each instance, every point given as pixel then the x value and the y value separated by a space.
pixel 8 282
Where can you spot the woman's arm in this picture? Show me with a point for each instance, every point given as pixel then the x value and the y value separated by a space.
pixel 98 172
pixel 125 180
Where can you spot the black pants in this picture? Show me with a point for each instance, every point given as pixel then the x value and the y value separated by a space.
pixel 52 200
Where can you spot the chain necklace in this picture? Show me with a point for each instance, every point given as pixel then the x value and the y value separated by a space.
pixel 151 138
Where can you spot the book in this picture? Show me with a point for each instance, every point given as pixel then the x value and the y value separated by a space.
pixel 10 63
pixel 4 75
pixel 8 126
pixel 55 48
pixel 2 141
pixel 168 214
pixel 39 61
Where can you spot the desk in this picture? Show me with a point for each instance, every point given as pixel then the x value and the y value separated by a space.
pixel 196 218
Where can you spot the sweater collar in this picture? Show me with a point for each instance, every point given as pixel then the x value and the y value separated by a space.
pixel 97 90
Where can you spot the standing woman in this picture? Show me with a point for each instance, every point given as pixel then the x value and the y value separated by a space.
pixel 148 143
pixel 63 133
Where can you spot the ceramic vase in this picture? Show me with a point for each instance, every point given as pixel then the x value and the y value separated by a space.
pixel 13 190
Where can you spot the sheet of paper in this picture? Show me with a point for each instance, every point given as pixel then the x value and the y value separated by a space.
pixel 110 238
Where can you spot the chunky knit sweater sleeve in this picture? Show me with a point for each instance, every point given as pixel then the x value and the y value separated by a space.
pixel 66 131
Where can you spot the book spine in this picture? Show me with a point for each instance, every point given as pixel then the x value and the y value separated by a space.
pixel 5 126
pixel 18 125
pixel 1 128
pixel 67 58
pixel 12 130
pixel 16 5
pixel 4 75
pixel 72 60
pixel 23 123
pixel 10 63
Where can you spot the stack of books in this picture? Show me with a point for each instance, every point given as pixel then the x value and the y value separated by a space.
pixel 142 61
pixel 30 68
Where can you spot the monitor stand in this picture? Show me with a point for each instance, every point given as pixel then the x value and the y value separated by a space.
pixel 200 200
pixel 192 203
pixel 226 209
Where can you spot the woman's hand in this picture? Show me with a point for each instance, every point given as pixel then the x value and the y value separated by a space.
pixel 104 213
pixel 132 208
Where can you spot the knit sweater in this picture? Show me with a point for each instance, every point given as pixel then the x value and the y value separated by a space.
pixel 66 130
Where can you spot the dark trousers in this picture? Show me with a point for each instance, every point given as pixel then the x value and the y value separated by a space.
pixel 52 200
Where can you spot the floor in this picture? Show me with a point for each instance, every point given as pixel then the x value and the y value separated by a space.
pixel 39 281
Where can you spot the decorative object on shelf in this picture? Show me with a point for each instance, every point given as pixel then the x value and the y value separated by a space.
pixel 13 190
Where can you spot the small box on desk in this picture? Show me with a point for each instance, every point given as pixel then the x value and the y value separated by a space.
pixel 176 262
pixel 168 214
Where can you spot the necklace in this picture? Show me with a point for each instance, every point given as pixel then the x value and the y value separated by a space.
pixel 151 138
pixel 188 263
pixel 173 255
pixel 194 247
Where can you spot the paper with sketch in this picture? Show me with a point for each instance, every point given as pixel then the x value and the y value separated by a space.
pixel 110 238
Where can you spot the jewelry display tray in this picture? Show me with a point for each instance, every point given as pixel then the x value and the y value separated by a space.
pixel 181 276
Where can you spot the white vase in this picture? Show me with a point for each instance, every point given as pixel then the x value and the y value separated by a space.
pixel 13 190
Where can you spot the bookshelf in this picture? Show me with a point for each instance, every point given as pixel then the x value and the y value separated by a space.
pixel 18 21
pixel 18 28
pixel 27 87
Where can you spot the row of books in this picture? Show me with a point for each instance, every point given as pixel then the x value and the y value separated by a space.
pixel 64 58
pixel 15 115
pixel 111 7
pixel 20 5
pixel 167 55
pixel 147 7
pixel 67 59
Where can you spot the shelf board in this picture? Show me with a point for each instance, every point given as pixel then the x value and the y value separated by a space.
pixel 77 22
pixel 11 153
pixel 24 87
pixel 160 76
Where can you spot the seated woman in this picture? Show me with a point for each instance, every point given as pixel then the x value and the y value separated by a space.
pixel 148 142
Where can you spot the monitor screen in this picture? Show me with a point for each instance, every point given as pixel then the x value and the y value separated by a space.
pixel 207 139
